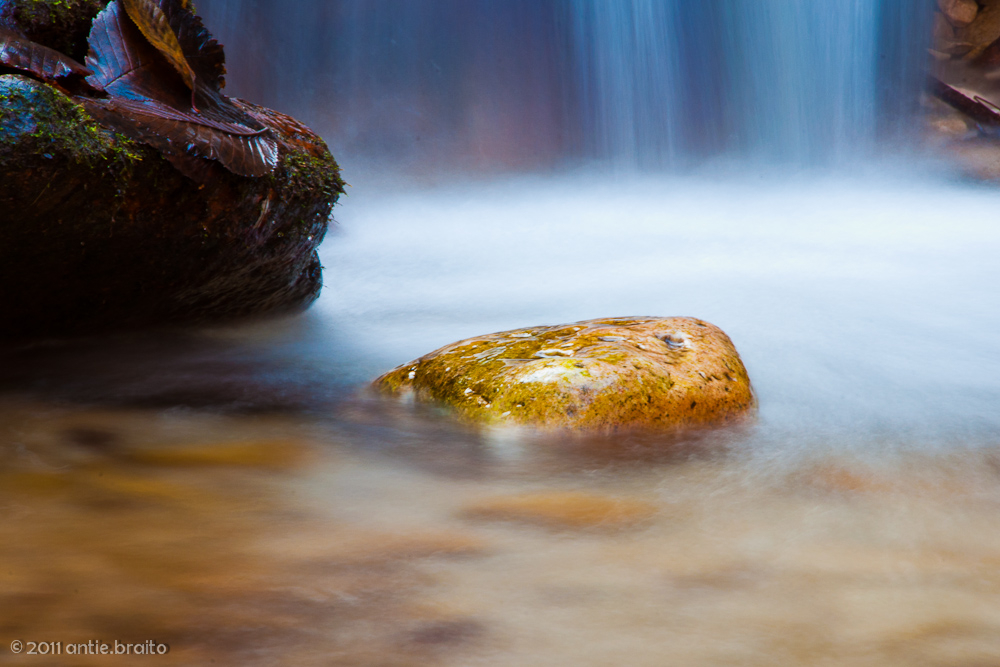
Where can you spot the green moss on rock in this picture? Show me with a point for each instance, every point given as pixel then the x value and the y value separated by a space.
pixel 36 119
pixel 100 232
pixel 598 375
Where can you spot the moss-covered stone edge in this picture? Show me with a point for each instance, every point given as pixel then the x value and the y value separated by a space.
pixel 57 124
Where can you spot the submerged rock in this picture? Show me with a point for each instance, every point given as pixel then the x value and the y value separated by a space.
pixel 564 510
pixel 959 13
pixel 597 375
pixel 983 31
pixel 99 231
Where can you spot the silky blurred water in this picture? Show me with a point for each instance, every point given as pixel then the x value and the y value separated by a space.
pixel 237 493
pixel 860 305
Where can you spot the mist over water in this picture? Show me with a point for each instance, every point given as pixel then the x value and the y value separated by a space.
pixel 734 161
pixel 858 304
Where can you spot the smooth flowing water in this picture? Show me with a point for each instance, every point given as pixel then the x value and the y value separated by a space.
pixel 229 491
pixel 236 493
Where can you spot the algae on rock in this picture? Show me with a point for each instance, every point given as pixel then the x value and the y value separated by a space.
pixel 597 375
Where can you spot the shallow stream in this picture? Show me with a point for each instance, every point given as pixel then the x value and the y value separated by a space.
pixel 234 493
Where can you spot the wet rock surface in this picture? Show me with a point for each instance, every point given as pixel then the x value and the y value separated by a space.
pixel 959 13
pixel 62 25
pixel 597 375
pixel 99 232
pixel 965 50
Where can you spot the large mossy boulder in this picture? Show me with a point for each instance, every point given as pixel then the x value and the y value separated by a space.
pixel 98 231
pixel 598 375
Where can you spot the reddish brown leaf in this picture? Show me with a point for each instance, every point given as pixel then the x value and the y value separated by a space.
pixel 126 65
pixel 152 107
pixel 203 53
pixel 244 154
pixel 17 52
pixel 149 101
pixel 152 23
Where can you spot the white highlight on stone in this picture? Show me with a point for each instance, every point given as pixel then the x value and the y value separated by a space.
pixel 554 351
pixel 551 374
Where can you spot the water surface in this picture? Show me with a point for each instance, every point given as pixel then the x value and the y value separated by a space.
pixel 234 493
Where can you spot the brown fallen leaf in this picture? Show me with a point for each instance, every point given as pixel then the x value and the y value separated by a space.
pixel 125 64
pixel 244 154
pixel 153 24
pixel 20 53
pixel 148 100
pixel 203 52
pixel 151 107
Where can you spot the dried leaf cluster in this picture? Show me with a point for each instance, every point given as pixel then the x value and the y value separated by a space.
pixel 156 74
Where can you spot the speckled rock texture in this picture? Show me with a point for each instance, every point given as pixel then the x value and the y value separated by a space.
pixel 98 232
pixel 599 375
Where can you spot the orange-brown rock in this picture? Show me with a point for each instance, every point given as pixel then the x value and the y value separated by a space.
pixel 959 13
pixel 597 375
pixel 983 31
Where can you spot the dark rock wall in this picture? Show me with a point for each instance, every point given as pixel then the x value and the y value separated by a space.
pixel 97 231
